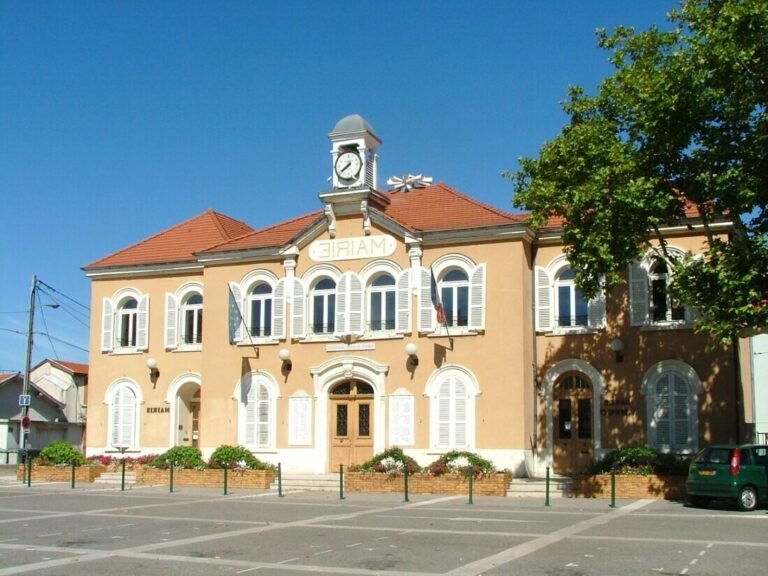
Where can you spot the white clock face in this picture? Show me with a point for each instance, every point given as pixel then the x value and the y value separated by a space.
pixel 348 165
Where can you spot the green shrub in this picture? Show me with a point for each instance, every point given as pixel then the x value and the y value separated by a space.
pixel 236 457
pixel 180 456
pixel 60 453
pixel 640 461
pixel 457 461
pixel 391 461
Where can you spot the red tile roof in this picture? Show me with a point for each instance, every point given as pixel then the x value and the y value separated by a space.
pixel 275 235
pixel 179 243
pixel 74 367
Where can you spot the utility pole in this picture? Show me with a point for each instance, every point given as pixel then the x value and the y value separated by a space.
pixel 27 367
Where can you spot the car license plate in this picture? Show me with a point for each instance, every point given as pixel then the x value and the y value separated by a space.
pixel 706 472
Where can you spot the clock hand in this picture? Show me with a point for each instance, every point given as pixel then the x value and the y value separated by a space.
pixel 347 165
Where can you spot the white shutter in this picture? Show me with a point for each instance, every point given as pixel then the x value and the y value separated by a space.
pixel 251 415
pixel 298 310
pixel 401 420
pixel 543 300
pixel 171 321
pixel 459 414
pixel 426 310
pixel 278 310
pixel 638 294
pixel 107 325
pixel 355 305
pixel 264 422
pixel 123 415
pixel 300 420
pixel 477 298
pixel 142 330
pixel 236 327
pixel 403 313
pixel 342 307
pixel 596 310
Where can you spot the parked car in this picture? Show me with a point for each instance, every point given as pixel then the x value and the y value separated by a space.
pixel 737 473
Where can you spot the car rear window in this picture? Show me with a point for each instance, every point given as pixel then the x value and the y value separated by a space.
pixel 714 456
pixel 761 455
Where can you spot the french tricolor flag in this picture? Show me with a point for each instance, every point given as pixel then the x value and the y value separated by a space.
pixel 436 298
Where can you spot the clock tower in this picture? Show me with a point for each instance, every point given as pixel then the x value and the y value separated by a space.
pixel 353 153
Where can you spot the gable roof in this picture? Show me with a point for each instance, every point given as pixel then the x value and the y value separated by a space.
pixel 180 243
pixel 4 378
pixel 71 367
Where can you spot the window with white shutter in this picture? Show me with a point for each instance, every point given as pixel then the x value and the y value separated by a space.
pixel 348 306
pixel 543 300
pixel 672 407
pixel 122 411
pixel 171 321
pixel 452 409
pixel 257 410
pixel 403 320
pixel 107 325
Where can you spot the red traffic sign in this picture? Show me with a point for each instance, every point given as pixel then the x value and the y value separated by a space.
pixel 26 422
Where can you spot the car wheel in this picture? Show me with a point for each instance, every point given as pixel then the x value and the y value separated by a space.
pixel 698 501
pixel 748 499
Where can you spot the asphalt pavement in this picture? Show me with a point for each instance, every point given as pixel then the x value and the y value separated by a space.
pixel 51 529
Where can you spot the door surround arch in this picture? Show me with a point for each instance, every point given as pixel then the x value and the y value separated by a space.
pixel 171 396
pixel 335 370
pixel 552 375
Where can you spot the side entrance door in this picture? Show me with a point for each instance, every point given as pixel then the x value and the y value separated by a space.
pixel 572 404
pixel 351 424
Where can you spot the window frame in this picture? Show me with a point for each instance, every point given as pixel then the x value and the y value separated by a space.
pixel 263 389
pixel 116 413
pixel 445 409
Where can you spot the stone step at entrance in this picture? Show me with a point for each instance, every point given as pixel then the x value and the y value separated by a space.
pixel 115 478
pixel 559 487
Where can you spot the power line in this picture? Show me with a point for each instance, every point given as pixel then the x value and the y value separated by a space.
pixel 64 295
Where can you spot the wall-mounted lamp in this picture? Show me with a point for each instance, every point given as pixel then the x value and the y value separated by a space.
pixel 618 349
pixel 411 350
pixel 285 356
pixel 154 371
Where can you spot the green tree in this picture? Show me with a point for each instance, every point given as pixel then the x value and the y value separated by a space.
pixel 680 130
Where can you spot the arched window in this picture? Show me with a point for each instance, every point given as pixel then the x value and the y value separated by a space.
pixel 192 318
pixel 452 392
pixel 382 303
pixel 662 307
pixel 122 417
pixel 671 390
pixel 571 306
pixel 260 310
pixel 454 296
pixel 323 299
pixel 127 320
pixel 257 398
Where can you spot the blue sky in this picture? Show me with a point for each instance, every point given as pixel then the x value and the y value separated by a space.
pixel 119 119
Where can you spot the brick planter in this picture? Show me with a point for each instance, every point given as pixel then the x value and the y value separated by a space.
pixel 208 478
pixel 627 486
pixel 61 473
pixel 487 485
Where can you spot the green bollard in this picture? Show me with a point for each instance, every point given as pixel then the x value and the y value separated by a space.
pixel 170 476
pixel 279 481
pixel 28 469
pixel 470 478
pixel 613 487
pixel 225 479
pixel 72 483
pixel 122 475
pixel 341 481
pixel 546 500
pixel 405 482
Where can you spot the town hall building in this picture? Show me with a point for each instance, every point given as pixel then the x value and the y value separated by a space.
pixel 412 316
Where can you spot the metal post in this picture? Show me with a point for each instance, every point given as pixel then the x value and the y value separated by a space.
pixel 170 475
pixel 28 469
pixel 405 482
pixel 279 481
pixel 613 487
pixel 122 474
pixel 546 499
pixel 225 479
pixel 470 477
pixel 73 475
pixel 341 481
pixel 28 363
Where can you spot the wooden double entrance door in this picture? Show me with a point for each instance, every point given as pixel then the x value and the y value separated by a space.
pixel 573 441
pixel 351 424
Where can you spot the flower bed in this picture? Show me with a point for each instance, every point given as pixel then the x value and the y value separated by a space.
pixel 206 478
pixel 61 473
pixel 423 483
pixel 630 486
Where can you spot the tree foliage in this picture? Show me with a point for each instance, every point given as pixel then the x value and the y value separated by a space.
pixel 680 130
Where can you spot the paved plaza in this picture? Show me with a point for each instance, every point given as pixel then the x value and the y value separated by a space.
pixel 52 529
